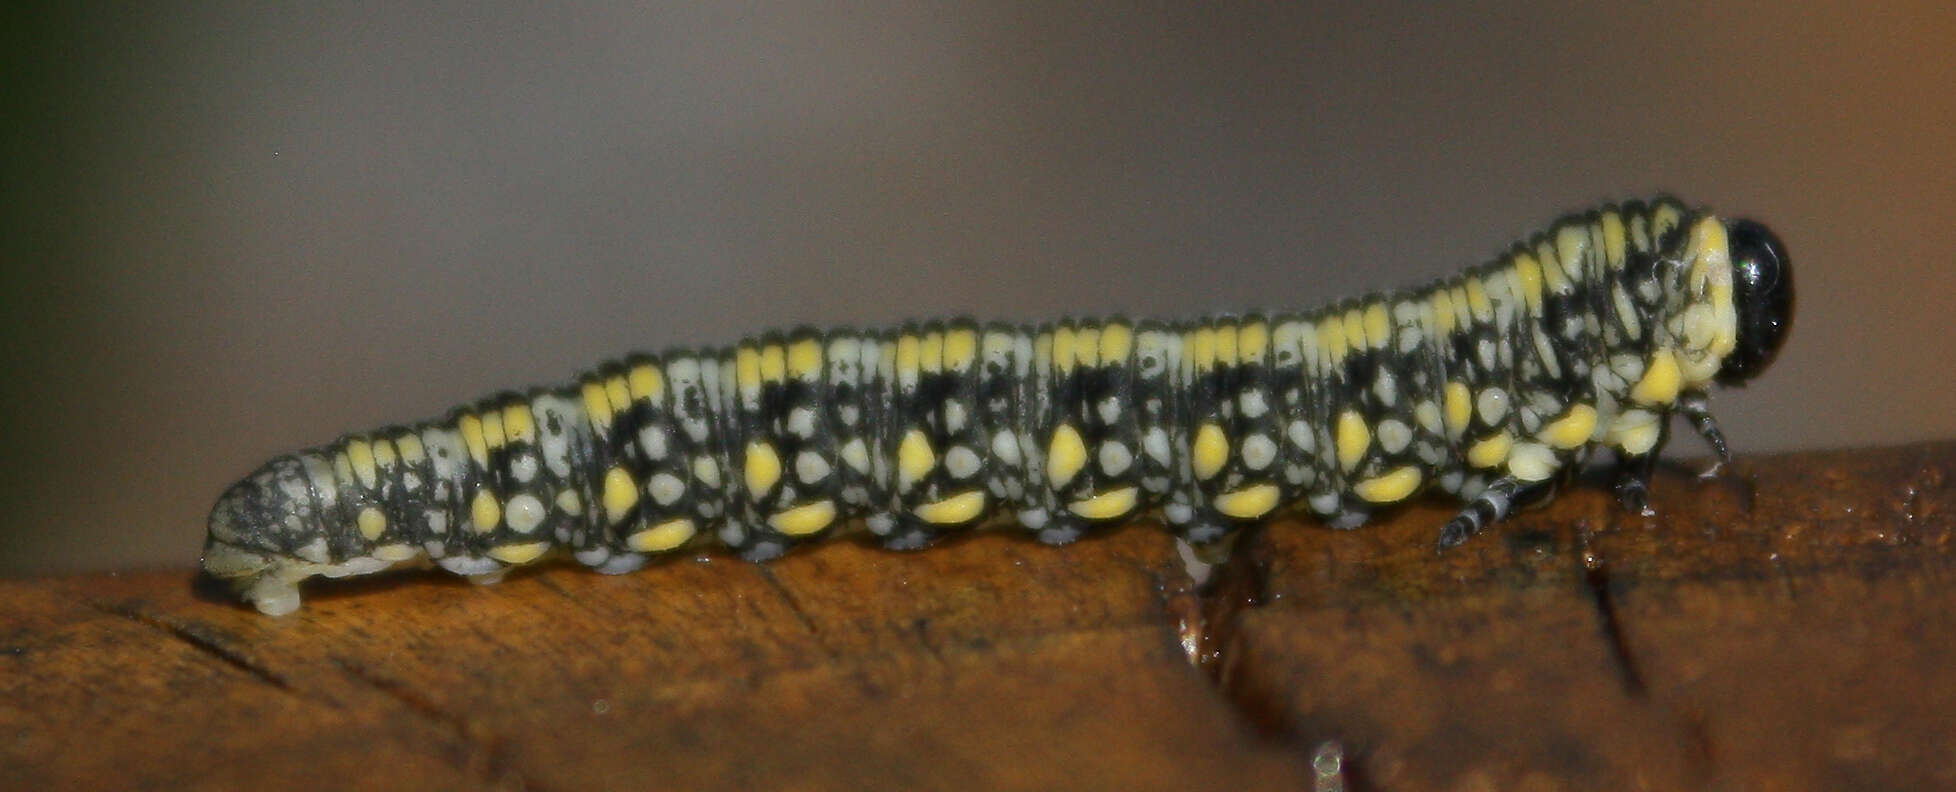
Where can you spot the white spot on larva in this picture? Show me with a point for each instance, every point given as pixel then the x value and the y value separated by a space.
pixel 801 421
pixel 1258 451
pixel 1178 513
pixel 1155 442
pixel 1493 405
pixel 665 488
pixel 523 467
pixel 1324 503
pixel 695 428
pixel 810 467
pixel 1485 349
pixel 314 551
pixel 849 414
pixel 1253 403
pixel 620 564
pixel 706 471
pixel 954 415
pixel 437 521
pixel 961 462
pixel 523 513
pixel 1394 435
pixel 1006 448
pixel 1110 410
pixel 1114 457
pixel 1296 474
pixel 1386 386
pixel 652 441
pixel 880 523
pixel 1034 519
pixel 1300 435
pixel 856 455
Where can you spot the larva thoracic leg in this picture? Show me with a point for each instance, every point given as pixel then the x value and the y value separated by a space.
pixel 1487 385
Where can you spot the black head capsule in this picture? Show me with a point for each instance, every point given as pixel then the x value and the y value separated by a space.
pixel 1762 290
pixel 259 532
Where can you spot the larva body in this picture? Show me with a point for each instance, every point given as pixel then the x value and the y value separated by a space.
pixel 1483 385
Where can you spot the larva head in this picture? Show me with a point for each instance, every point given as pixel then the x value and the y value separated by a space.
pixel 1762 294
pixel 260 532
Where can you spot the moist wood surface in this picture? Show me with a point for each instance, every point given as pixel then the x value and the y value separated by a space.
pixel 1788 626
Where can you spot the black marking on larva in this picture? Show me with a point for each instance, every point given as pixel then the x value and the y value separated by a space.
pixel 1485 385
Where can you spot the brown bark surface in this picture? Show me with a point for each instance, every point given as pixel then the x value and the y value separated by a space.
pixel 1786 626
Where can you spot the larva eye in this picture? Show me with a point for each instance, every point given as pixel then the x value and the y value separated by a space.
pixel 1762 278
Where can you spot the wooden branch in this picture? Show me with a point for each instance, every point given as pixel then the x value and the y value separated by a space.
pixel 1787 626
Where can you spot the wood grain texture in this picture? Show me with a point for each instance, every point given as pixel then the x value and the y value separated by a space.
pixel 1788 626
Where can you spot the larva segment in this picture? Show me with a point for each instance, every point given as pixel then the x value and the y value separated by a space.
pixel 1487 384
pixel 938 437
pixel 1154 396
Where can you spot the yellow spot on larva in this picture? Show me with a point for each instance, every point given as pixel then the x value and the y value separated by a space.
pixel 1460 407
pixel 930 354
pixel 570 503
pixel 597 408
pixel 411 449
pixel 485 511
pixel 662 537
pixel 1637 432
pixel 907 356
pixel 1202 348
pixel 384 452
pixel 1331 339
pixel 372 523
pixel 1249 502
pixel 1391 487
pixel 1443 319
pixel 915 459
pixel 960 508
pixel 1571 248
pixel 1105 505
pixel 646 382
pixel 471 429
pixel 774 363
pixel 1571 430
pixel 518 425
pixel 492 429
pixel 1378 326
pixel 1491 451
pixel 1613 239
pixel 1477 302
pixel 1086 345
pixel 1353 438
pixel 1063 354
pixel 1065 455
pixel 805 359
pixel 1253 342
pixel 747 368
pixel 1354 329
pixel 620 494
pixel 361 455
pixel 394 553
pixel 960 349
pixel 1531 462
pixel 1116 341
pixel 1209 451
pixel 1661 380
pixel 1530 274
pixel 1226 345
pixel 519 553
pixel 616 392
pixel 763 468
pixel 804 519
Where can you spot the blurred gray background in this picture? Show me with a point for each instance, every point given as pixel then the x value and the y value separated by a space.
pixel 248 227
